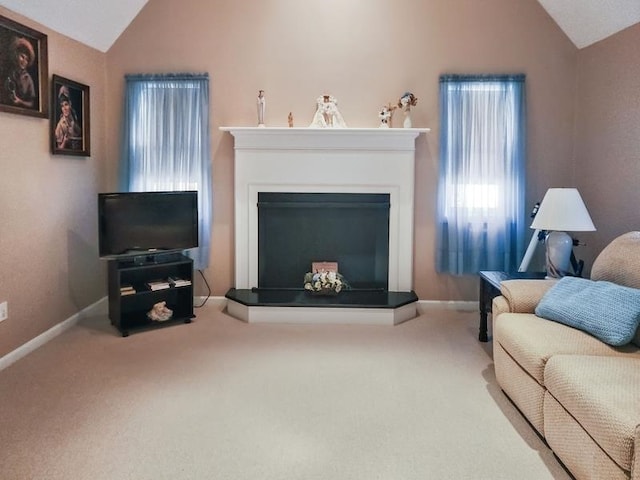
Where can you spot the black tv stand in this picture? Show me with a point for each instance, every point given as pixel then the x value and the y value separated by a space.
pixel 131 297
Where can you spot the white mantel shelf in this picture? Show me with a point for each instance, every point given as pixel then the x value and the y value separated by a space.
pixel 325 138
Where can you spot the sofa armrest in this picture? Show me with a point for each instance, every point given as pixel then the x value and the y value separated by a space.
pixel 522 296
pixel 499 305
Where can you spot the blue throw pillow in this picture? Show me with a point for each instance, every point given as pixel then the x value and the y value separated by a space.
pixel 605 310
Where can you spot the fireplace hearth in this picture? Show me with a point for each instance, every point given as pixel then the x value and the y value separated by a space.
pixel 298 306
pixel 292 185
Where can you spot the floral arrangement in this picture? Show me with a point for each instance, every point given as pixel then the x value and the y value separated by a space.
pixel 407 100
pixel 324 282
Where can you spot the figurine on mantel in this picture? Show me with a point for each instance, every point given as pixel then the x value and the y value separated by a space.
pixel 407 100
pixel 290 120
pixel 386 115
pixel 261 106
pixel 327 114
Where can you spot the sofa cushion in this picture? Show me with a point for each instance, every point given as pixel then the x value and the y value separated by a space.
pixel 531 341
pixel 603 395
pixel 607 311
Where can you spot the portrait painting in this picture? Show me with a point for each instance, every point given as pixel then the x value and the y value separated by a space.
pixel 24 77
pixel 69 117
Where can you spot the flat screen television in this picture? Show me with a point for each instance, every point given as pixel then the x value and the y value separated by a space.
pixel 136 223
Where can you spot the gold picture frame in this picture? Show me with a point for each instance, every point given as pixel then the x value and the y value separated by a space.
pixel 24 77
pixel 70 117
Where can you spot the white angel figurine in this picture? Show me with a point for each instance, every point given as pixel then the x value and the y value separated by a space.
pixel 327 114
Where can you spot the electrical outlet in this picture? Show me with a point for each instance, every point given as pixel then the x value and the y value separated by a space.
pixel 4 311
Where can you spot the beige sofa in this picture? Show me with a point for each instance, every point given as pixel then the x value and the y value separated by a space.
pixel 580 394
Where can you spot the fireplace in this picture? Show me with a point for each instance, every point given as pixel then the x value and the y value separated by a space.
pixel 333 169
pixel 296 229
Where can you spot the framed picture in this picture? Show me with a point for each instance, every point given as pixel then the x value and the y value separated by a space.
pixel 24 77
pixel 70 117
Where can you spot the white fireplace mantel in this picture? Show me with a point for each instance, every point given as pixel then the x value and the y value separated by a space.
pixel 350 160
pixel 390 139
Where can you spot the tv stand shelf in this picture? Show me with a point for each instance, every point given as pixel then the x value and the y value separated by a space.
pixel 128 313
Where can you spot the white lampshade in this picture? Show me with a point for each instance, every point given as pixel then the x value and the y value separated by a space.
pixel 563 209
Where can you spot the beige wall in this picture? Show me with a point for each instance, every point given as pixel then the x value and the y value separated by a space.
pixel 366 53
pixel 607 158
pixel 49 269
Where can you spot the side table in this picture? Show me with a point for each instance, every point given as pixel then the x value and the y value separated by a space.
pixel 490 288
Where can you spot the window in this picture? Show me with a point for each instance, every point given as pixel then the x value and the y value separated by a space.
pixel 474 197
pixel 480 216
pixel 166 143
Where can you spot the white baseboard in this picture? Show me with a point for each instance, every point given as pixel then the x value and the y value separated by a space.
pixel 460 305
pixel 25 349
pixel 464 305
pixel 219 302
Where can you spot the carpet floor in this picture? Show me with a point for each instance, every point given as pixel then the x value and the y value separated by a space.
pixel 222 399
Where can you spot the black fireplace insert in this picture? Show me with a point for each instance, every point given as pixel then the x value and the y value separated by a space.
pixel 296 229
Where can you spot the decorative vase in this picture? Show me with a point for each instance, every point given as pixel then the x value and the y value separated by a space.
pixel 407 119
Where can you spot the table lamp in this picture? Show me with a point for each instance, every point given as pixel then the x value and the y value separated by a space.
pixel 561 210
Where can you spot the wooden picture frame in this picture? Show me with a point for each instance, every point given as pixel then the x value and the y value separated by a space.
pixel 70 117
pixel 24 75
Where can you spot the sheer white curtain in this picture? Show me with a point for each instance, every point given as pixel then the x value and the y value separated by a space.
pixel 166 143
pixel 480 216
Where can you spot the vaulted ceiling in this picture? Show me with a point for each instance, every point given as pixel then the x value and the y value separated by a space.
pixel 98 23
pixel 589 21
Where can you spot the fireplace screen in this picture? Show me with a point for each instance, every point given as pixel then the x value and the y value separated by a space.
pixel 296 229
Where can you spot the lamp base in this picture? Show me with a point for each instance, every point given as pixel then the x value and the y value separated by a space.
pixel 558 254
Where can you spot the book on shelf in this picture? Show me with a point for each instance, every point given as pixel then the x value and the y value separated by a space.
pixel 179 282
pixel 158 285
pixel 127 290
